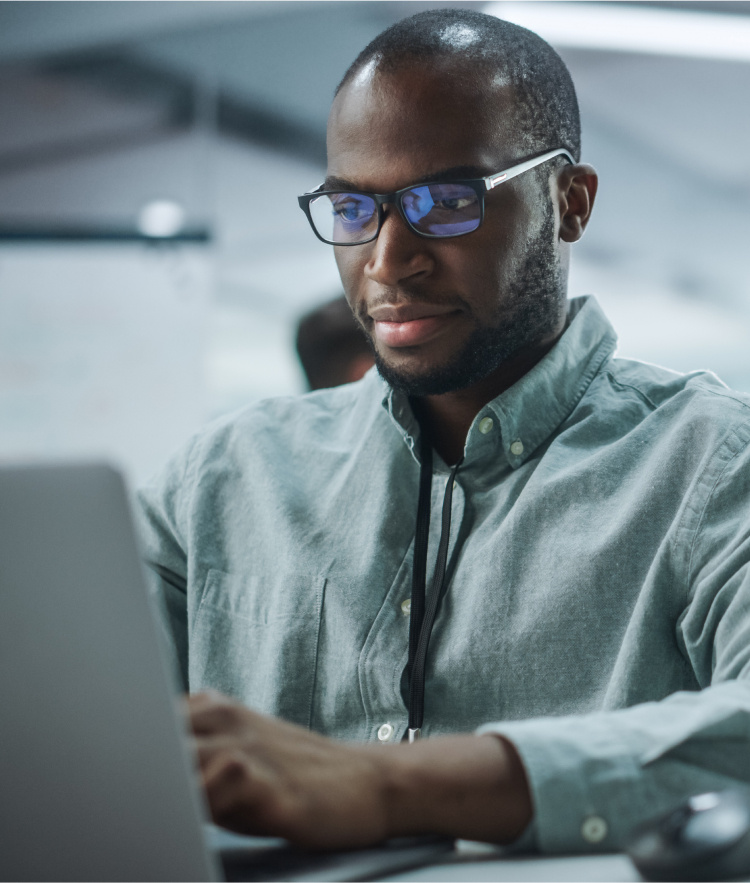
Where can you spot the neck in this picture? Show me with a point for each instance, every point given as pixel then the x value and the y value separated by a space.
pixel 446 418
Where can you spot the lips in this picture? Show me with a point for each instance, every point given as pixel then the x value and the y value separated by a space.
pixel 410 324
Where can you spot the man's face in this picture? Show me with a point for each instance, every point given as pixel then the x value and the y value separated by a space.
pixel 443 314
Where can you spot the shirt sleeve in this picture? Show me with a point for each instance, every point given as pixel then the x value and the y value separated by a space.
pixel 595 777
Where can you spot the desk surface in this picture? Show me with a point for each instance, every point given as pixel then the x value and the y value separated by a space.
pixel 576 869
pixel 468 863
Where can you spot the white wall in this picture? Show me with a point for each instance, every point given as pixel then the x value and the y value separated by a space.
pixel 102 352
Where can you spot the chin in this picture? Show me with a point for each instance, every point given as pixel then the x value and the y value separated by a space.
pixel 430 381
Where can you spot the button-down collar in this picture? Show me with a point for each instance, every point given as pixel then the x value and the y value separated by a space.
pixel 520 419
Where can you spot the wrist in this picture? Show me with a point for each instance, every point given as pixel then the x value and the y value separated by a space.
pixel 472 787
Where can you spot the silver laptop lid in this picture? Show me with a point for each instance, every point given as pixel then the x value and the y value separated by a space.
pixel 95 778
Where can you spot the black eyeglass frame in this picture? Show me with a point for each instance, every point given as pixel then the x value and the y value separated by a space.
pixel 480 186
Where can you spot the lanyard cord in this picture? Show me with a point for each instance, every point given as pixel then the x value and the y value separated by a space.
pixel 424 609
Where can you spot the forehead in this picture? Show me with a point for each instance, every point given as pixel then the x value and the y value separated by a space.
pixel 390 129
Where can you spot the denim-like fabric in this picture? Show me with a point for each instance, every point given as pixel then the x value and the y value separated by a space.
pixel 598 602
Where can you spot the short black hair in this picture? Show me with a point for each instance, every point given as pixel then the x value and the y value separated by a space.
pixel 547 106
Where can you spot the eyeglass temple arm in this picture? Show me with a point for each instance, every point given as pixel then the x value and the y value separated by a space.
pixel 493 180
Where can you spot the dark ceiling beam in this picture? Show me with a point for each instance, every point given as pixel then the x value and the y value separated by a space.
pixel 123 76
pixel 184 103
pixel 85 147
pixel 96 232
pixel 172 98
pixel 260 125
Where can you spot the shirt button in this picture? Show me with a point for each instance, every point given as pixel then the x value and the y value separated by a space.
pixel 486 424
pixel 594 829
pixel 385 732
pixel 406 607
pixel 517 448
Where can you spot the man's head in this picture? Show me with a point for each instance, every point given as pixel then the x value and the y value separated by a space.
pixel 546 106
pixel 444 95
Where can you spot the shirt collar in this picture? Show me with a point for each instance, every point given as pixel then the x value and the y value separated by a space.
pixel 531 410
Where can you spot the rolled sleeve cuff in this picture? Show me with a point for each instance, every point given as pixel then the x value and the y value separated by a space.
pixel 587 789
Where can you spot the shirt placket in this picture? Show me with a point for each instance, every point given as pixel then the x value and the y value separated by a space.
pixel 385 652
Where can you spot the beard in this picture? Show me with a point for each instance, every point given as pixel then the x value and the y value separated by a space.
pixel 531 313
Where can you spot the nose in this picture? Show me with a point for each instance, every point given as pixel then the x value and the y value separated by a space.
pixel 398 253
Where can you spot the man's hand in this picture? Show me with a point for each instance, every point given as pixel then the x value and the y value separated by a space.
pixel 265 776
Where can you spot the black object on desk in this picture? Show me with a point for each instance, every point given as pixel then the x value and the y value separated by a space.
pixel 707 838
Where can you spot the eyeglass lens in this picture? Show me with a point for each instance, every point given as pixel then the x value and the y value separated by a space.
pixel 345 217
pixel 434 209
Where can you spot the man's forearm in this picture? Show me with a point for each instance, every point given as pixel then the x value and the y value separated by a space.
pixel 473 787
pixel 267 776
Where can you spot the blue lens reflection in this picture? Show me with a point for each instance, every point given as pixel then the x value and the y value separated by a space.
pixel 442 209
pixel 345 217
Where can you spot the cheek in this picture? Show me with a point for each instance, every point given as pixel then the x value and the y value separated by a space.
pixel 350 263
pixel 505 238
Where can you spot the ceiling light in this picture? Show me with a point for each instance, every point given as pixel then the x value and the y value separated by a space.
pixel 161 218
pixel 612 26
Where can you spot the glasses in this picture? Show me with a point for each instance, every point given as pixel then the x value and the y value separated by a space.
pixel 436 211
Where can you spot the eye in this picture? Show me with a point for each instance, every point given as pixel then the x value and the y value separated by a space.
pixel 348 212
pixel 351 209
pixel 445 197
pixel 456 203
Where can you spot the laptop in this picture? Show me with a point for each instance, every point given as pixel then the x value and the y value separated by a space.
pixel 97 779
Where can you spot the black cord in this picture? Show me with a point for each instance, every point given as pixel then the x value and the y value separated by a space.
pixel 419 575
pixel 424 609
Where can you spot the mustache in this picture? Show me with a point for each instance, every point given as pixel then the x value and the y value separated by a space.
pixel 405 297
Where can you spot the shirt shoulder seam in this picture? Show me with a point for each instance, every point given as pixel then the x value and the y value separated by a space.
pixel 639 392
pixel 722 393
pixel 188 477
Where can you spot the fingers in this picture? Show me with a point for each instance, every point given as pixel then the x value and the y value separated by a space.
pixel 266 776
pixel 234 794
pixel 227 780
pixel 244 794
pixel 237 798
pixel 210 712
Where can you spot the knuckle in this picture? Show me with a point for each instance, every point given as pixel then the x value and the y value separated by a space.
pixel 234 766
pixel 227 713
pixel 226 770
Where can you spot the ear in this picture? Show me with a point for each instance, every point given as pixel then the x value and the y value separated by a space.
pixel 577 187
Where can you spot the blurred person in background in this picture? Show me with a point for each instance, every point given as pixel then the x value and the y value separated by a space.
pixel 331 347
pixel 506 539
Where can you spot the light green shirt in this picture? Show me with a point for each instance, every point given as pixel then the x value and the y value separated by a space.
pixel 597 609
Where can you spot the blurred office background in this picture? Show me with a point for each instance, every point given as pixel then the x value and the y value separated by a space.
pixel 153 260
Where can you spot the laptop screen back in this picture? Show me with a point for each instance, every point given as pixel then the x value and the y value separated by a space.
pixel 96 781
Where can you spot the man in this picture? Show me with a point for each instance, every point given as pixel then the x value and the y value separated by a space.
pixel 589 536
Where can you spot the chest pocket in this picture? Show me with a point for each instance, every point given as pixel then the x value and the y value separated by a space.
pixel 257 641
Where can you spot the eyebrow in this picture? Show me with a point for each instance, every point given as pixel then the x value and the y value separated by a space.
pixel 452 174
